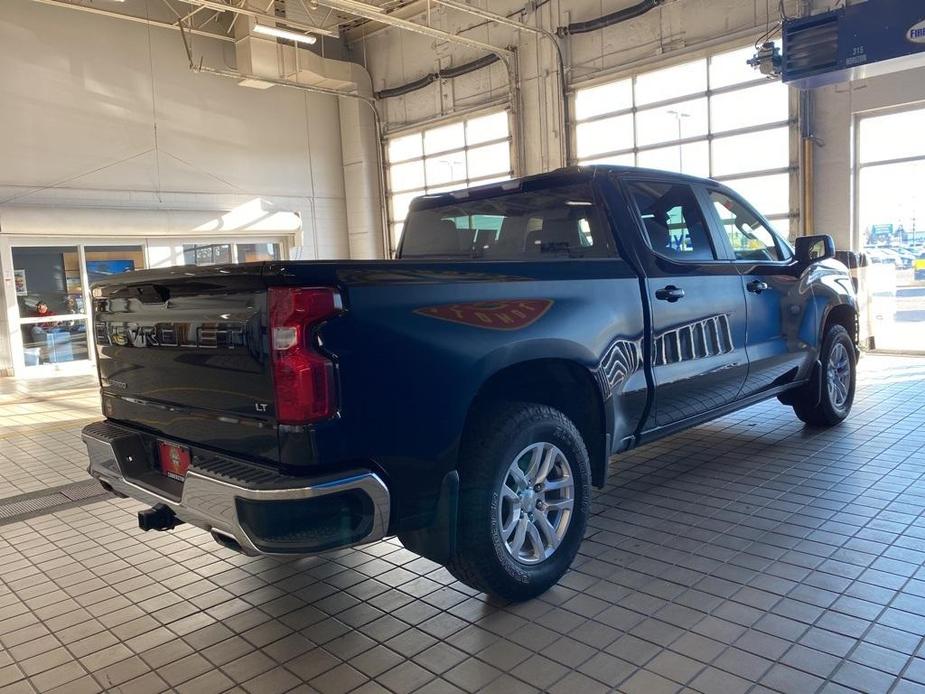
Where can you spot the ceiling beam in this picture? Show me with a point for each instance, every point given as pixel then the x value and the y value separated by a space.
pixel 376 14
pixel 491 16
pixel 130 18
pixel 272 19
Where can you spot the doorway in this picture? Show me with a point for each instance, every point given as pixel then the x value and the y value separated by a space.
pixel 51 299
pixel 891 224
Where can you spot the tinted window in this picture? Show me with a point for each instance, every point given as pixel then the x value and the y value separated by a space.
pixel 559 222
pixel 750 238
pixel 673 221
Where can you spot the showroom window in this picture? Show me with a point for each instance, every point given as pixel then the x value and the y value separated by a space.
pixel 446 157
pixel 714 117
pixel 226 253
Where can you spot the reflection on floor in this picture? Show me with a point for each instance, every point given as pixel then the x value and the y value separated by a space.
pixel 748 550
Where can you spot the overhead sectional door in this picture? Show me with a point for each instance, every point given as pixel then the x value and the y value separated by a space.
pixel 446 157
pixel 715 117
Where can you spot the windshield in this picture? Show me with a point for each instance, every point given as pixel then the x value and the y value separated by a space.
pixel 556 222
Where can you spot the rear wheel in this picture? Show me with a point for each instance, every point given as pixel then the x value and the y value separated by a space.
pixel 838 382
pixel 525 487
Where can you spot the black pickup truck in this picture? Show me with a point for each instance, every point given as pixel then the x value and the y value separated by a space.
pixel 467 395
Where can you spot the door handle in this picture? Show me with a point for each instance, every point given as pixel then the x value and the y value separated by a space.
pixel 756 286
pixel 670 293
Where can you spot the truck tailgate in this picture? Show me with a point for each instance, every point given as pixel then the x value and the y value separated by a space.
pixel 183 353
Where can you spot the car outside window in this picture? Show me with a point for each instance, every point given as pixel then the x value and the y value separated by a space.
pixel 558 222
pixel 749 237
pixel 672 219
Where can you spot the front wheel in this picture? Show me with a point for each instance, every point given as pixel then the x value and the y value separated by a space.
pixel 838 375
pixel 525 486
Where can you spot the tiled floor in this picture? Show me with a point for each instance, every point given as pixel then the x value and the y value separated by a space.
pixel 749 554
pixel 33 404
pixel 40 423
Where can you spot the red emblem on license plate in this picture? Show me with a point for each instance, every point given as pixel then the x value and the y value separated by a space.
pixel 494 315
pixel 175 460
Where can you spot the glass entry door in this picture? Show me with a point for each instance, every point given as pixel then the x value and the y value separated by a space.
pixel 52 286
pixel 52 305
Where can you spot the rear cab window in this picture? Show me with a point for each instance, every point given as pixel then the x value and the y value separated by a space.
pixel 558 222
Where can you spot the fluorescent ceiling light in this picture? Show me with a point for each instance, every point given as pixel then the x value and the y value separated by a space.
pixel 284 34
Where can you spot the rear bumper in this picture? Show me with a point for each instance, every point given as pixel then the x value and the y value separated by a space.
pixel 260 512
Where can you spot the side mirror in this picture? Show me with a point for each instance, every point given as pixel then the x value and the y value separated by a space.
pixel 811 249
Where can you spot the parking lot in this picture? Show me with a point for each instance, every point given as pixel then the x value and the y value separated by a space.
pixel 748 554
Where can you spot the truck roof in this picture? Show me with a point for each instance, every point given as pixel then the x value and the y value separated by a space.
pixel 575 173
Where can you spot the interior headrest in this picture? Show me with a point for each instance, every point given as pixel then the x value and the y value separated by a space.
pixel 560 233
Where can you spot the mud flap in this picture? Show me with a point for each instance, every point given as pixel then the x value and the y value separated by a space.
pixel 812 388
pixel 437 541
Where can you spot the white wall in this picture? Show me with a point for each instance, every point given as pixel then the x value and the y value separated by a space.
pixel 104 113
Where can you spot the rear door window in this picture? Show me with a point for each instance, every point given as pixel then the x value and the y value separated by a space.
pixel 672 219
pixel 555 222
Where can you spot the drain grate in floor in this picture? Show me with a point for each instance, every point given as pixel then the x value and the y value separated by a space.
pixel 48 500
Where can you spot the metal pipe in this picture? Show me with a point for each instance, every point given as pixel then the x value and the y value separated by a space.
pixel 222 7
pixel 565 147
pixel 376 14
pixel 607 20
pixel 427 80
pixel 131 18
pixel 808 211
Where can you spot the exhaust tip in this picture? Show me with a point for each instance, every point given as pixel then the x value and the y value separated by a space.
pixel 227 541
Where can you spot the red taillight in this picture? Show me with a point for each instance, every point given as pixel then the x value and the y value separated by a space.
pixel 303 379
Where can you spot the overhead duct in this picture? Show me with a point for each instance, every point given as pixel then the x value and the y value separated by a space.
pixel 260 54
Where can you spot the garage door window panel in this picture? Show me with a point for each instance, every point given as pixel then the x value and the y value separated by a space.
pixel 446 168
pixel 668 83
pixel 488 160
pixel 487 128
pixel 692 158
pixel 606 135
pixel 730 68
pixel 606 98
pixel 404 148
pixel 769 194
pixel 679 121
pixel 407 176
pixel 444 138
pixel 746 108
pixel 759 151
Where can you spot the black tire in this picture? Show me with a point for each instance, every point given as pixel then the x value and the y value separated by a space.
pixel 493 442
pixel 832 407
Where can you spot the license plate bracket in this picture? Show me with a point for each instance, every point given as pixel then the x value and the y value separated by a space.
pixel 174 460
